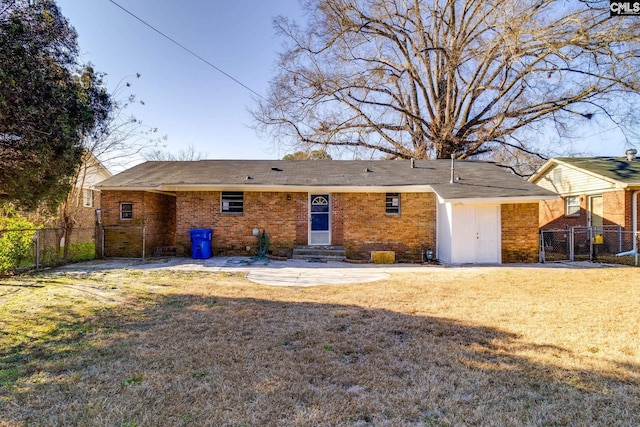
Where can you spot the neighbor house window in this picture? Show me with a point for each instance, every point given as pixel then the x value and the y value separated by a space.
pixel 572 207
pixel 126 210
pixel 87 197
pixel 232 202
pixel 393 203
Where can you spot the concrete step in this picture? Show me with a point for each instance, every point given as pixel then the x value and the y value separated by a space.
pixel 319 253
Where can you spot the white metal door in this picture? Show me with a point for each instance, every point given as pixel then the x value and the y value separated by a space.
pixel 464 234
pixel 487 234
pixel 476 234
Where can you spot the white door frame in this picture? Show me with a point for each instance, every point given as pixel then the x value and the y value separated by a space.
pixel 319 237
pixel 590 209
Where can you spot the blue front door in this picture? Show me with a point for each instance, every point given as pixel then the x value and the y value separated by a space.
pixel 320 219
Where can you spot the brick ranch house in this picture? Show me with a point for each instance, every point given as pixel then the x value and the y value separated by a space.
pixel 596 192
pixel 486 216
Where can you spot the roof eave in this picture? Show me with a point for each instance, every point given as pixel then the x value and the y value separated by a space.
pixel 545 168
pixel 303 188
pixel 277 188
pixel 542 171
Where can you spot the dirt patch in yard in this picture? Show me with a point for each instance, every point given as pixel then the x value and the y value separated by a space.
pixel 454 347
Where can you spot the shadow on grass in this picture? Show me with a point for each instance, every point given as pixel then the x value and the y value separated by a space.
pixel 194 360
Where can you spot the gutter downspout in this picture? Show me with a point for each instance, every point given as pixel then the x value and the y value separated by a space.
pixel 634 216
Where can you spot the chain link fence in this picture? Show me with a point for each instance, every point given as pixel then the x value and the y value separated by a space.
pixel 38 248
pixel 609 244
pixel 45 247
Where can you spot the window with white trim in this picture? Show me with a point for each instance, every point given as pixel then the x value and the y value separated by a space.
pixel 232 202
pixel 126 211
pixel 87 197
pixel 572 206
pixel 393 203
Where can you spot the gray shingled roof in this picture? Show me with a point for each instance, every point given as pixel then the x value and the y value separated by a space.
pixel 477 179
pixel 615 168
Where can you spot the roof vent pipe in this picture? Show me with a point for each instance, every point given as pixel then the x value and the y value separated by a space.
pixel 453 171
pixel 631 154
pixel 413 163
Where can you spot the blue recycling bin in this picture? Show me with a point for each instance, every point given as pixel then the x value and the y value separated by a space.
pixel 201 243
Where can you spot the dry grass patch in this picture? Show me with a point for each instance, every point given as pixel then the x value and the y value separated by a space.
pixel 453 347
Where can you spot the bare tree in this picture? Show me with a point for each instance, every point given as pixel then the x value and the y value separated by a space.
pixel 436 78
pixel 124 138
pixel 119 141
pixel 188 153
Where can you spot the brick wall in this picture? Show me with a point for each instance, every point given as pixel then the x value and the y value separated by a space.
pixel 154 212
pixel 616 211
pixel 361 224
pixel 281 215
pixel 520 232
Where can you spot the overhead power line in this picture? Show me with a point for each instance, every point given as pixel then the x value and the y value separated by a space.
pixel 183 47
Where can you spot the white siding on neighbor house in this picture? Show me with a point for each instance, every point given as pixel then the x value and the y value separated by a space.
pixel 573 181
pixel 92 175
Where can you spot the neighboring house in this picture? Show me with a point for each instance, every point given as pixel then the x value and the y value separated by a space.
pixel 486 215
pixel 595 192
pixel 81 202
pixel 86 197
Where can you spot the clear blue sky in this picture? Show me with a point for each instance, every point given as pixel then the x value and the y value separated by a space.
pixel 189 101
pixel 192 103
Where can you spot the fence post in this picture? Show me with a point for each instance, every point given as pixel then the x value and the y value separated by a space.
pixel 619 238
pixel 37 249
pixel 592 237
pixel 143 242
pixel 570 240
pixel 541 251
pixel 102 241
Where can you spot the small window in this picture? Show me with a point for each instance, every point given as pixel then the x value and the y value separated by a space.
pixel 572 206
pixel 393 203
pixel 557 176
pixel 87 197
pixel 232 202
pixel 126 210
